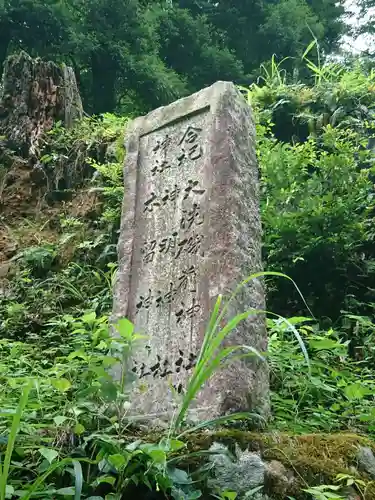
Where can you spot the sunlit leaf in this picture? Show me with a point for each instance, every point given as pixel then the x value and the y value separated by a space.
pixel 49 454
pixel 61 384
pixel 79 429
pixel 60 419
pixel 118 461
pixel 125 328
pixel 158 456
pixel 323 344
pixel 355 391
pixel 106 479
pixel 9 491
pixel 89 317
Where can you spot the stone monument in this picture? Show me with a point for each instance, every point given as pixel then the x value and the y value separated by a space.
pixel 190 231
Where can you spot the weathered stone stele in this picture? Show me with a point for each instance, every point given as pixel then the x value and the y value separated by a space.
pixel 190 231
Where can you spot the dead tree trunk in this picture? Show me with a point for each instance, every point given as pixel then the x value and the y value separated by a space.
pixel 35 95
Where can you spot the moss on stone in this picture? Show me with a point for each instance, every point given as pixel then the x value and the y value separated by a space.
pixel 314 458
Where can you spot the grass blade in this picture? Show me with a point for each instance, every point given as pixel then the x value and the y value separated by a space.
pixel 12 439
pixel 309 48
pixel 207 364
pixel 210 329
pixel 52 468
pixel 78 479
pixel 211 354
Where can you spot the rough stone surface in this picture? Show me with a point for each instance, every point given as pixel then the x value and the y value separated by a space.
pixel 366 460
pixel 35 95
pixel 278 479
pixel 190 231
pixel 244 473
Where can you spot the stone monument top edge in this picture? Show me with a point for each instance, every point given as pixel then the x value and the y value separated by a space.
pixel 178 110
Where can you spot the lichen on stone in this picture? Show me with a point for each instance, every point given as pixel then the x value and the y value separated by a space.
pixel 311 459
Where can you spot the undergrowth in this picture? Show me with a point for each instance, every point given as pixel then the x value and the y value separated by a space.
pixel 72 434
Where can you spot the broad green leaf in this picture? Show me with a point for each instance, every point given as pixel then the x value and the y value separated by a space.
pixel 89 317
pixel 77 354
pixel 48 454
pixel 79 429
pixel 61 384
pixel 355 391
pixel 193 495
pixel 60 419
pixel 176 444
pixel 106 479
pixel 179 476
pixel 158 456
pixel 125 328
pixel 9 491
pixel 172 444
pixel 117 461
pixel 229 495
pixel 109 361
pixel 134 445
pixel 179 494
pixel 103 464
pixel 324 344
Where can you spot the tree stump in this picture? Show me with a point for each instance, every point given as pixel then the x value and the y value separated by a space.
pixel 35 95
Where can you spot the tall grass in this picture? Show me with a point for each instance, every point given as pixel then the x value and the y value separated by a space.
pixel 322 72
pixel 4 467
pixel 213 356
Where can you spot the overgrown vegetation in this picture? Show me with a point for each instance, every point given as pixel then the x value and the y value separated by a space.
pixel 135 55
pixel 72 435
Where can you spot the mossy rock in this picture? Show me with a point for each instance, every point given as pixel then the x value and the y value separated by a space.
pixel 314 459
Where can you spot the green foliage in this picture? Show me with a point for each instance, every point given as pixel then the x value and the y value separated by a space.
pixel 75 413
pixel 337 394
pixel 5 489
pixel 189 45
pixel 73 407
pixel 95 147
pixel 76 437
pixel 325 492
pixel 214 355
pixel 133 55
pixel 316 207
pixel 317 176
pixel 112 177
pixel 33 306
pixel 257 30
pixel 38 259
